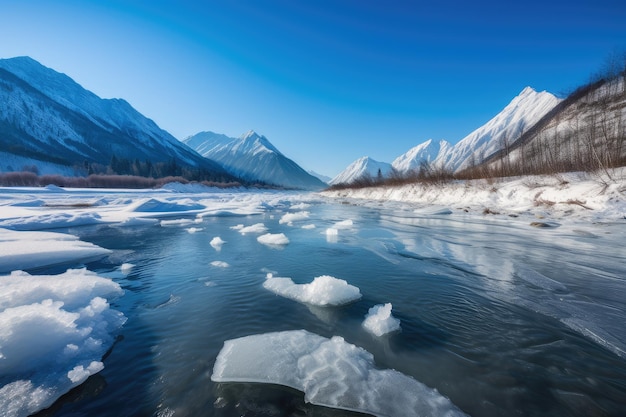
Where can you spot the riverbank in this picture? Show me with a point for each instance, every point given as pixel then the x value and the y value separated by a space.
pixel 584 196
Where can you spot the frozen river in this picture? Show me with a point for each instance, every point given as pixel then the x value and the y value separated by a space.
pixel 497 318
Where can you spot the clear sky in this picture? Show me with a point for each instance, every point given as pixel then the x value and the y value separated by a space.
pixel 326 81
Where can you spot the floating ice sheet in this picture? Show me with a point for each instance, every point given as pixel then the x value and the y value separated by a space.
pixel 330 372
pixel 54 331
pixel 323 291
pixel 51 221
pixel 26 250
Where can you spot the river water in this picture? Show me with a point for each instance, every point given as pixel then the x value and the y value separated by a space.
pixel 501 318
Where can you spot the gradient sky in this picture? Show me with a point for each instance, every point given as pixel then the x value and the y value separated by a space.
pixel 326 81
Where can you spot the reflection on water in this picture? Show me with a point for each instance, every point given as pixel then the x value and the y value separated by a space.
pixel 501 318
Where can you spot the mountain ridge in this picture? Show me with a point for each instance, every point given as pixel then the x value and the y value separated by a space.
pixel 502 130
pixel 254 158
pixel 47 116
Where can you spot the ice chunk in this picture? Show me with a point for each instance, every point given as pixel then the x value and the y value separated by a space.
pixel 323 291
pixel 289 218
pixel 330 372
pixel 137 221
pixel 176 222
pixel 380 321
pixel 344 224
pixel 53 332
pixel 273 239
pixel 126 268
pixel 192 230
pixel 255 228
pixel 217 243
pixel 220 264
pixel 26 250
pixel 309 226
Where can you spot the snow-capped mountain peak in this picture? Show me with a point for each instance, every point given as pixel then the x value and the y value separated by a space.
pixel 255 143
pixel 502 130
pixel 424 152
pixel 364 166
pixel 253 157
pixel 48 117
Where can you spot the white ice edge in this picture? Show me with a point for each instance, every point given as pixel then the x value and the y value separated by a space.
pixel 54 330
pixel 330 372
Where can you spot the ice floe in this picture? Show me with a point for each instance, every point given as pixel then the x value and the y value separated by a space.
pixel 330 372
pixel 220 264
pixel 289 218
pixel 255 228
pixel 27 250
pixel 51 221
pixel 322 291
pixel 54 330
pixel 217 243
pixel 379 320
pixel 273 239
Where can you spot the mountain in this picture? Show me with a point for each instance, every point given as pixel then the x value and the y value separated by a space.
pixel 500 132
pixel 47 117
pixel 584 132
pixel 324 178
pixel 254 158
pixel 521 114
pixel 364 167
pixel 424 152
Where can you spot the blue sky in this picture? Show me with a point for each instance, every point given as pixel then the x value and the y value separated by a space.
pixel 326 81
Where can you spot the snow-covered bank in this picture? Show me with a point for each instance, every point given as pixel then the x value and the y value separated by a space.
pixel 576 195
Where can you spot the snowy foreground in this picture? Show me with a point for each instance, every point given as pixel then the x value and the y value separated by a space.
pixel 574 195
pixel 55 330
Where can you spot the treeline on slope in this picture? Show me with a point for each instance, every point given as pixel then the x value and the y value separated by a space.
pixel 30 179
pixel 586 132
pixel 126 173
pixel 120 173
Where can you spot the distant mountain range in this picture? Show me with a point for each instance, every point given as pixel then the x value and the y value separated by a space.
pixel 49 124
pixel 253 158
pixel 522 113
pixel 46 117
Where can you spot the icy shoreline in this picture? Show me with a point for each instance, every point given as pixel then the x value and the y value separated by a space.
pixel 571 195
